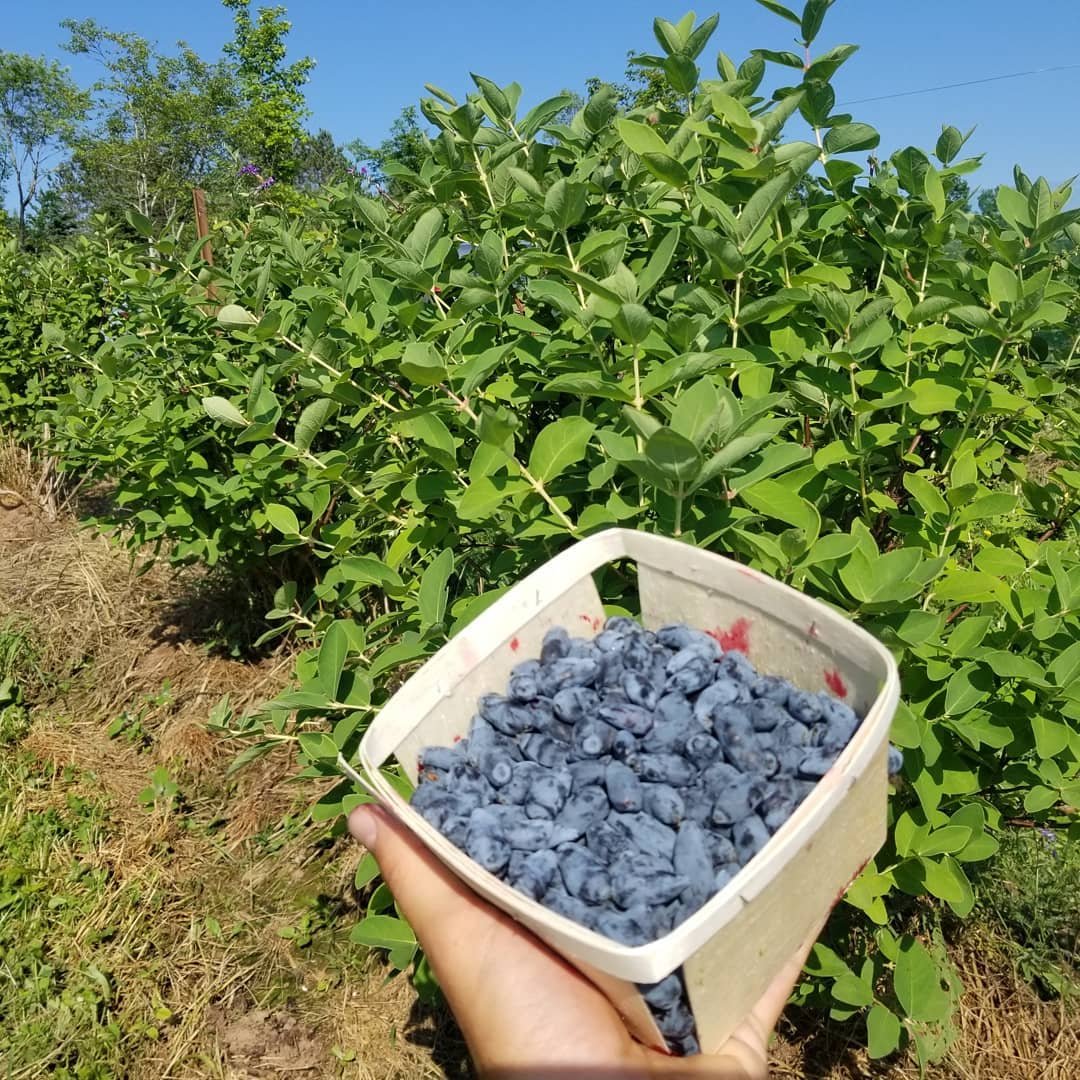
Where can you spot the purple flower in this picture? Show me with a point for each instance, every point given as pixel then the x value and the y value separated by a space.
pixel 268 182
pixel 250 170
pixel 363 170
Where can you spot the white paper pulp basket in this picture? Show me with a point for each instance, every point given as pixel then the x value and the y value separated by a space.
pixel 733 947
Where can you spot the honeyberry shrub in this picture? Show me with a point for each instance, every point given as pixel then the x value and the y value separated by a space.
pixel 71 287
pixel 671 319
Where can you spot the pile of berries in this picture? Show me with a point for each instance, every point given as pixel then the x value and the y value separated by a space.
pixel 623 780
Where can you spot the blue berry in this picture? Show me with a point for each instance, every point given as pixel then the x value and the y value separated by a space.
pixel 584 809
pixel 688 671
pixel 556 644
pixel 536 872
pixel 816 764
pixel 574 703
pixel 671 769
pixel 626 717
pixel 640 689
pixel 736 666
pixel 485 843
pixel 805 707
pixel 592 738
pixel 664 803
pixel 544 750
pixel 896 761
pixel 749 836
pixel 664 994
pixel 587 771
pixel 623 788
pixel 551 790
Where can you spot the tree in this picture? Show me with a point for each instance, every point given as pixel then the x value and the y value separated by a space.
pixel 163 124
pixel 40 107
pixel 269 127
pixel 53 220
pixel 319 161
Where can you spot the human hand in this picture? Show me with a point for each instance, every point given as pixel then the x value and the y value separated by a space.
pixel 526 1014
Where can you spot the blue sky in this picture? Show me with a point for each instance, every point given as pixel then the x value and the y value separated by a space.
pixel 374 57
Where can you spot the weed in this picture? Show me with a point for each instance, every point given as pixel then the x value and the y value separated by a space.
pixel 1032 891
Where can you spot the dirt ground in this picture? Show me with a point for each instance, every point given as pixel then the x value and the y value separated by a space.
pixel 239 935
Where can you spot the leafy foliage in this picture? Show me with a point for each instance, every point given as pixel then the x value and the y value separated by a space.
pixel 669 319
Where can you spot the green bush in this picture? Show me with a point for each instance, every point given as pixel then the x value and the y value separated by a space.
pixel 670 320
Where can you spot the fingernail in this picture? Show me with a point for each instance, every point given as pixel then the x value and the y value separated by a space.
pixel 363 826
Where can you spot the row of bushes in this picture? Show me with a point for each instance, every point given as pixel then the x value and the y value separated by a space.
pixel 389 410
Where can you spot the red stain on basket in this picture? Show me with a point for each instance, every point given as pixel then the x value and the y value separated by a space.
pixel 840 894
pixel 835 682
pixel 592 620
pixel 514 644
pixel 735 638
pixel 457 738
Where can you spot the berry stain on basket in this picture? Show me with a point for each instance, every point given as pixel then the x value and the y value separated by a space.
pixel 736 637
pixel 624 780
pixel 514 644
pixel 835 682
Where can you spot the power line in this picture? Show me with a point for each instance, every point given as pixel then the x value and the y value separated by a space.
pixel 971 82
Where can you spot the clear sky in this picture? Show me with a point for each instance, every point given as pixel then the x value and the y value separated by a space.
pixel 374 57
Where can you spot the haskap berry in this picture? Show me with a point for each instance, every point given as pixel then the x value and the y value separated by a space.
pixel 623 781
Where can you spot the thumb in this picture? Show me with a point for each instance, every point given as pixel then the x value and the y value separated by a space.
pixel 445 914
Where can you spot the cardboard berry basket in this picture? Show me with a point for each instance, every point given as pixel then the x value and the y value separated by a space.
pixel 731 948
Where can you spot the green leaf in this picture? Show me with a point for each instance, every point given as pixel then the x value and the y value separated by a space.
pixel 697 412
pixel 772 499
pixel 311 422
pixel 925 494
pixel 849 138
pixel 764 203
pixel 558 446
pixel 224 411
pixel 282 519
pixel 565 202
pixel 675 456
pixel 665 167
pixel 425 232
pixel 632 323
pixel 882 1032
pixel 601 108
pixel 657 266
pixel 934 192
pixel 422 364
pixel 783 12
pixel 966 688
pixel 943 841
pixel 485 495
pixel 640 138
pixel 235 317
pixel 382 932
pixel 317 746
pixel 332 655
pixel 812 17
pixel 1003 283
pixel 494 98
pixel 1065 667
pixel 917 983
pixel 852 990
pixel 432 594
pixel 996 504
pixel 367 871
